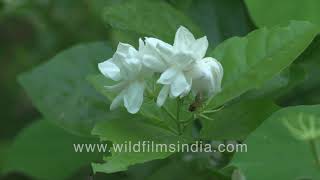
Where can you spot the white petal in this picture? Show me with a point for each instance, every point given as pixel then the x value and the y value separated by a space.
pixel 209 83
pixel 124 51
pixel 163 94
pixel 166 51
pixel 117 101
pixel 133 52
pixel 133 97
pixel 200 46
pixel 167 76
pixel 183 60
pixel 154 63
pixel 179 85
pixel 130 68
pixel 188 89
pixel 141 45
pixel 216 67
pixel 154 42
pixel 183 39
pixel 110 70
pixel 123 48
pixel 117 87
pixel 205 85
pixel 196 71
pixel 152 48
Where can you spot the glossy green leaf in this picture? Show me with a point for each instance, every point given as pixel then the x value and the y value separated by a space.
pixel 60 91
pixel 283 11
pixel 46 152
pixel 152 18
pixel 237 121
pixel 134 131
pixel 275 152
pixel 250 61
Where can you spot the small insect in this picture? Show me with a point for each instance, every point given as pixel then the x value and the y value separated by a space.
pixel 196 104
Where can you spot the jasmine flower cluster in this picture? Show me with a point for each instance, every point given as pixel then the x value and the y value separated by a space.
pixel 183 68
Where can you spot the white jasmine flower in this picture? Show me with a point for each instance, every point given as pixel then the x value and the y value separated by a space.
pixel 208 81
pixel 183 64
pixel 151 57
pixel 126 67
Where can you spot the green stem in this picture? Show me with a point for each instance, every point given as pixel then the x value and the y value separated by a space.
pixel 150 93
pixel 314 150
pixel 178 116
pixel 206 117
pixel 213 111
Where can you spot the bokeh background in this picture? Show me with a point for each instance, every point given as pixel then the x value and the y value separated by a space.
pixel 33 31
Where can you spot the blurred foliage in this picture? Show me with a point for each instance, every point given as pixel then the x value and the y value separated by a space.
pixel 34 31
pixel 283 11
pixel 54 160
pixel 219 19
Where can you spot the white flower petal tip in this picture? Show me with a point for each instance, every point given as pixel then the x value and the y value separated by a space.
pixel 179 85
pixel 200 47
pixel 183 35
pixel 133 97
pixel 168 76
pixel 110 70
pixel 164 92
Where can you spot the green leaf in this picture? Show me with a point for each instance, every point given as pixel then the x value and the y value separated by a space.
pixel 135 130
pixel 308 91
pixel 250 61
pixel 274 151
pixel 184 169
pixel 46 152
pixel 218 19
pixel 152 18
pixel 237 121
pixel 280 85
pixel 60 91
pixel 283 11
pixel 149 109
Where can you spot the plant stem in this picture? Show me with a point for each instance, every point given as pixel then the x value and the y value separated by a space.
pixel 178 116
pixel 206 117
pixel 314 150
pixel 150 92
pixel 213 111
